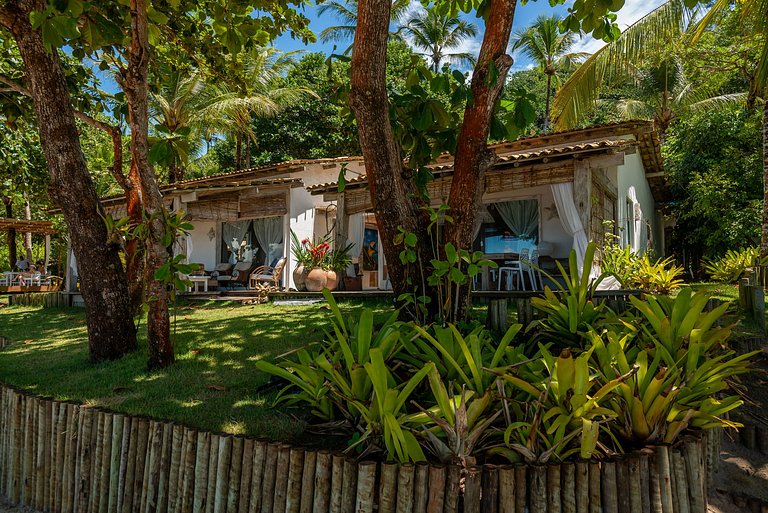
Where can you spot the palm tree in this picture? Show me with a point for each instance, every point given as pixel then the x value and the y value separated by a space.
pixel 543 43
pixel 346 12
pixel 186 110
pixel 437 34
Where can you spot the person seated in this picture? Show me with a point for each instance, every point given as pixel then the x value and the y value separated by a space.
pixel 22 264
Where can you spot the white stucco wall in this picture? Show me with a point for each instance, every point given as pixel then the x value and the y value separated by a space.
pixel 204 249
pixel 632 174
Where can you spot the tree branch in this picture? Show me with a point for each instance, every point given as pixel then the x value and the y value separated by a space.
pixel 114 132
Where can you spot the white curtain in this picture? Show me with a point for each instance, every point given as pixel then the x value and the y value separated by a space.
pixel 521 216
pixel 189 247
pixel 569 217
pixel 356 228
pixel 269 234
pixel 233 234
pixel 636 218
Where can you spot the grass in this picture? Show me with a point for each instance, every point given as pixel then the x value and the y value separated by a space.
pixel 214 385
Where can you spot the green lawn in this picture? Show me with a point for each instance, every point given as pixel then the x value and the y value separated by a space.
pixel 216 345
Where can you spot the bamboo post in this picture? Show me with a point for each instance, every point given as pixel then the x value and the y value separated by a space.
pixel 655 478
pixel 489 500
pixel 203 454
pixel 322 495
pixel 622 484
pixel 349 487
pixel 421 488
pixel 436 488
pixel 235 471
pixel 246 475
pixel 213 466
pixel 645 481
pixel 129 428
pixel 554 490
pixel 366 486
pixel 405 478
pixel 173 473
pixel 84 476
pixel 165 468
pixel 521 488
pixel 665 478
pixel 222 474
pixel 538 489
pixel 452 489
pixel 568 491
pixel 610 499
pixel 308 482
pixel 141 462
pixel 295 474
pixel 186 484
pixel 50 452
pixel 473 490
pixel 337 480
pixel 268 478
pixel 281 478
pixel 582 486
pixel 507 489
pixel 680 488
pixel 106 459
pixel 96 447
pixel 18 419
pixel 692 456
pixel 153 466
pixel 635 486
pixel 27 492
pixel 257 475
pixel 388 488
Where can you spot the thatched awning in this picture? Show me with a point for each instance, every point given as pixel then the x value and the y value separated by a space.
pixel 24 226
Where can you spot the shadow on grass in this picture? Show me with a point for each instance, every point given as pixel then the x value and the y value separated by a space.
pixel 212 386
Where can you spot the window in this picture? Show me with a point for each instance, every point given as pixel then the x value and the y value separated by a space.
pixel 629 223
pixel 514 227
pixel 259 241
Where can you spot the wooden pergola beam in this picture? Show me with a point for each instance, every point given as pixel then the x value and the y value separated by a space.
pixel 24 226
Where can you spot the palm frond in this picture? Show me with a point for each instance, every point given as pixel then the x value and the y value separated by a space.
pixel 716 102
pixel 661 27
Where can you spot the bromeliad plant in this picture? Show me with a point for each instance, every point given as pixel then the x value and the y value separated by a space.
pixel 730 268
pixel 406 390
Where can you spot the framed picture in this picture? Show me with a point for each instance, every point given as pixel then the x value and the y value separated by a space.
pixel 370 249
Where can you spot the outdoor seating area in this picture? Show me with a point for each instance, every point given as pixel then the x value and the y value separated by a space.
pixel 242 275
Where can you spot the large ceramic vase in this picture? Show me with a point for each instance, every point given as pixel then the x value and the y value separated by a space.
pixel 299 276
pixel 332 280
pixel 316 280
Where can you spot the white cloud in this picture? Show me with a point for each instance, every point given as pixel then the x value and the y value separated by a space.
pixel 632 11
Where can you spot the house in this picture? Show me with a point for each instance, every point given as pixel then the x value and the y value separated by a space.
pixel 550 193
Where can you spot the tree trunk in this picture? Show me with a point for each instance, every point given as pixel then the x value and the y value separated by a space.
pixel 248 153
pixel 137 96
pixel 764 238
pixel 473 158
pixel 238 152
pixel 28 235
pixel 396 202
pixel 11 238
pixel 546 105
pixel 111 332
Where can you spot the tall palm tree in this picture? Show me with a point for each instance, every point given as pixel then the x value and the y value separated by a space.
pixel 543 43
pixel 186 109
pixel 346 12
pixel 437 34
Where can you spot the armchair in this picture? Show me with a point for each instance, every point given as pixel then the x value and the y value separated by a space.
pixel 267 274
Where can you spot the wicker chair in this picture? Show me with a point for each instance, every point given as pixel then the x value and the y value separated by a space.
pixel 267 274
pixel 239 276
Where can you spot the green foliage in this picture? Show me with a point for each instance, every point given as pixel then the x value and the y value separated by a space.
pixel 731 267
pixel 571 313
pixel 656 276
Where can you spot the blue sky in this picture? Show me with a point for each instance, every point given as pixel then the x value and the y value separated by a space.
pixel 524 16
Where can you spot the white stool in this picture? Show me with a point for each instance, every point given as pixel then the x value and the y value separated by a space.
pixel 511 271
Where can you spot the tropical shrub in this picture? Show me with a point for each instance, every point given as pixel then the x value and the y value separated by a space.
pixel 594 385
pixel 730 268
pixel 634 271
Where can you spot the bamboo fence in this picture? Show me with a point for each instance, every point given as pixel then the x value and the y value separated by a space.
pixel 67 458
pixel 44 299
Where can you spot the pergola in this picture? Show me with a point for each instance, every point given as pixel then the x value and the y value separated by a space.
pixel 36 227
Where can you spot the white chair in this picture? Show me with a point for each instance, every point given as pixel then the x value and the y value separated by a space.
pixel 534 271
pixel 528 265
pixel 5 279
pixel 510 271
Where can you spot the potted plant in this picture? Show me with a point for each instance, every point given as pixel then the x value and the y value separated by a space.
pixel 338 261
pixel 317 265
pixel 300 253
